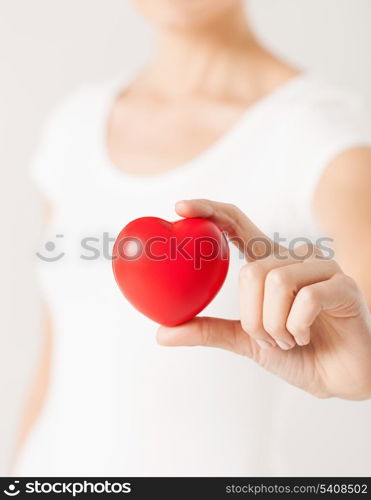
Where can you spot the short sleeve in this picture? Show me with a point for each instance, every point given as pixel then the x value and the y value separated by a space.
pixel 47 160
pixel 330 123
pixel 64 138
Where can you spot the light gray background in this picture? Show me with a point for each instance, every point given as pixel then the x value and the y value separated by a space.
pixel 47 47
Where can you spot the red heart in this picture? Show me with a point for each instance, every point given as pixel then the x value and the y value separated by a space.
pixel 170 271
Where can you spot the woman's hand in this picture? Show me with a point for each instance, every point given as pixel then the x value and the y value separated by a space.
pixel 303 320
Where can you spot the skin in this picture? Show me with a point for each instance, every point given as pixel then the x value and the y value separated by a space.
pixel 201 79
pixel 342 206
pixel 303 320
pixel 207 69
pixel 39 384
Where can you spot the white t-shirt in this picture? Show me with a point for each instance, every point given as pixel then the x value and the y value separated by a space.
pixel 119 404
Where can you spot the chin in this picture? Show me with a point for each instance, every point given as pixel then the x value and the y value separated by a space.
pixel 185 14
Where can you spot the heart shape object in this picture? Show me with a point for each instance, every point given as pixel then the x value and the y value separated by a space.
pixel 170 271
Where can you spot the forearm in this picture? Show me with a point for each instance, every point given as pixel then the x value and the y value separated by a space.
pixel 342 206
pixel 38 387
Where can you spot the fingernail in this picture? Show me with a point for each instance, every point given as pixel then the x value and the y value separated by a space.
pixel 181 203
pixel 284 345
pixel 300 342
pixel 264 344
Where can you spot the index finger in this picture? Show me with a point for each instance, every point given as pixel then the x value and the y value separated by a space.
pixel 241 231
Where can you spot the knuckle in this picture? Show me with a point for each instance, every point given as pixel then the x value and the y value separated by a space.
pixel 304 251
pixel 251 326
pixel 279 278
pixel 308 295
pixel 336 266
pixel 347 283
pixel 233 209
pixel 235 214
pixel 251 272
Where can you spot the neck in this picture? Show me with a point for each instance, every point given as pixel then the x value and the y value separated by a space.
pixel 203 60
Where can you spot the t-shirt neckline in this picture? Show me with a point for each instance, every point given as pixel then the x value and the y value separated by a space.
pixel 178 173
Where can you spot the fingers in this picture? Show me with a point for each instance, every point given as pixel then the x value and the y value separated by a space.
pixel 267 292
pixel 223 334
pixel 229 218
pixel 252 286
pixel 281 286
pixel 209 332
pixel 270 286
pixel 336 294
pixel 240 229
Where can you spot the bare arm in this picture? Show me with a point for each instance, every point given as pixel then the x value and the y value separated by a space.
pixel 39 384
pixel 342 205
pixel 302 318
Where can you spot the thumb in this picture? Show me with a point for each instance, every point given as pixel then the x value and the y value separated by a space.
pixel 209 332
pixel 240 229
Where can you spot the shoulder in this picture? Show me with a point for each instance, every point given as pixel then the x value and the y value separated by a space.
pixel 77 110
pixel 345 184
pixel 339 130
pixel 338 119
pixel 70 132
pixel 324 132
pixel 320 121
pixel 324 110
